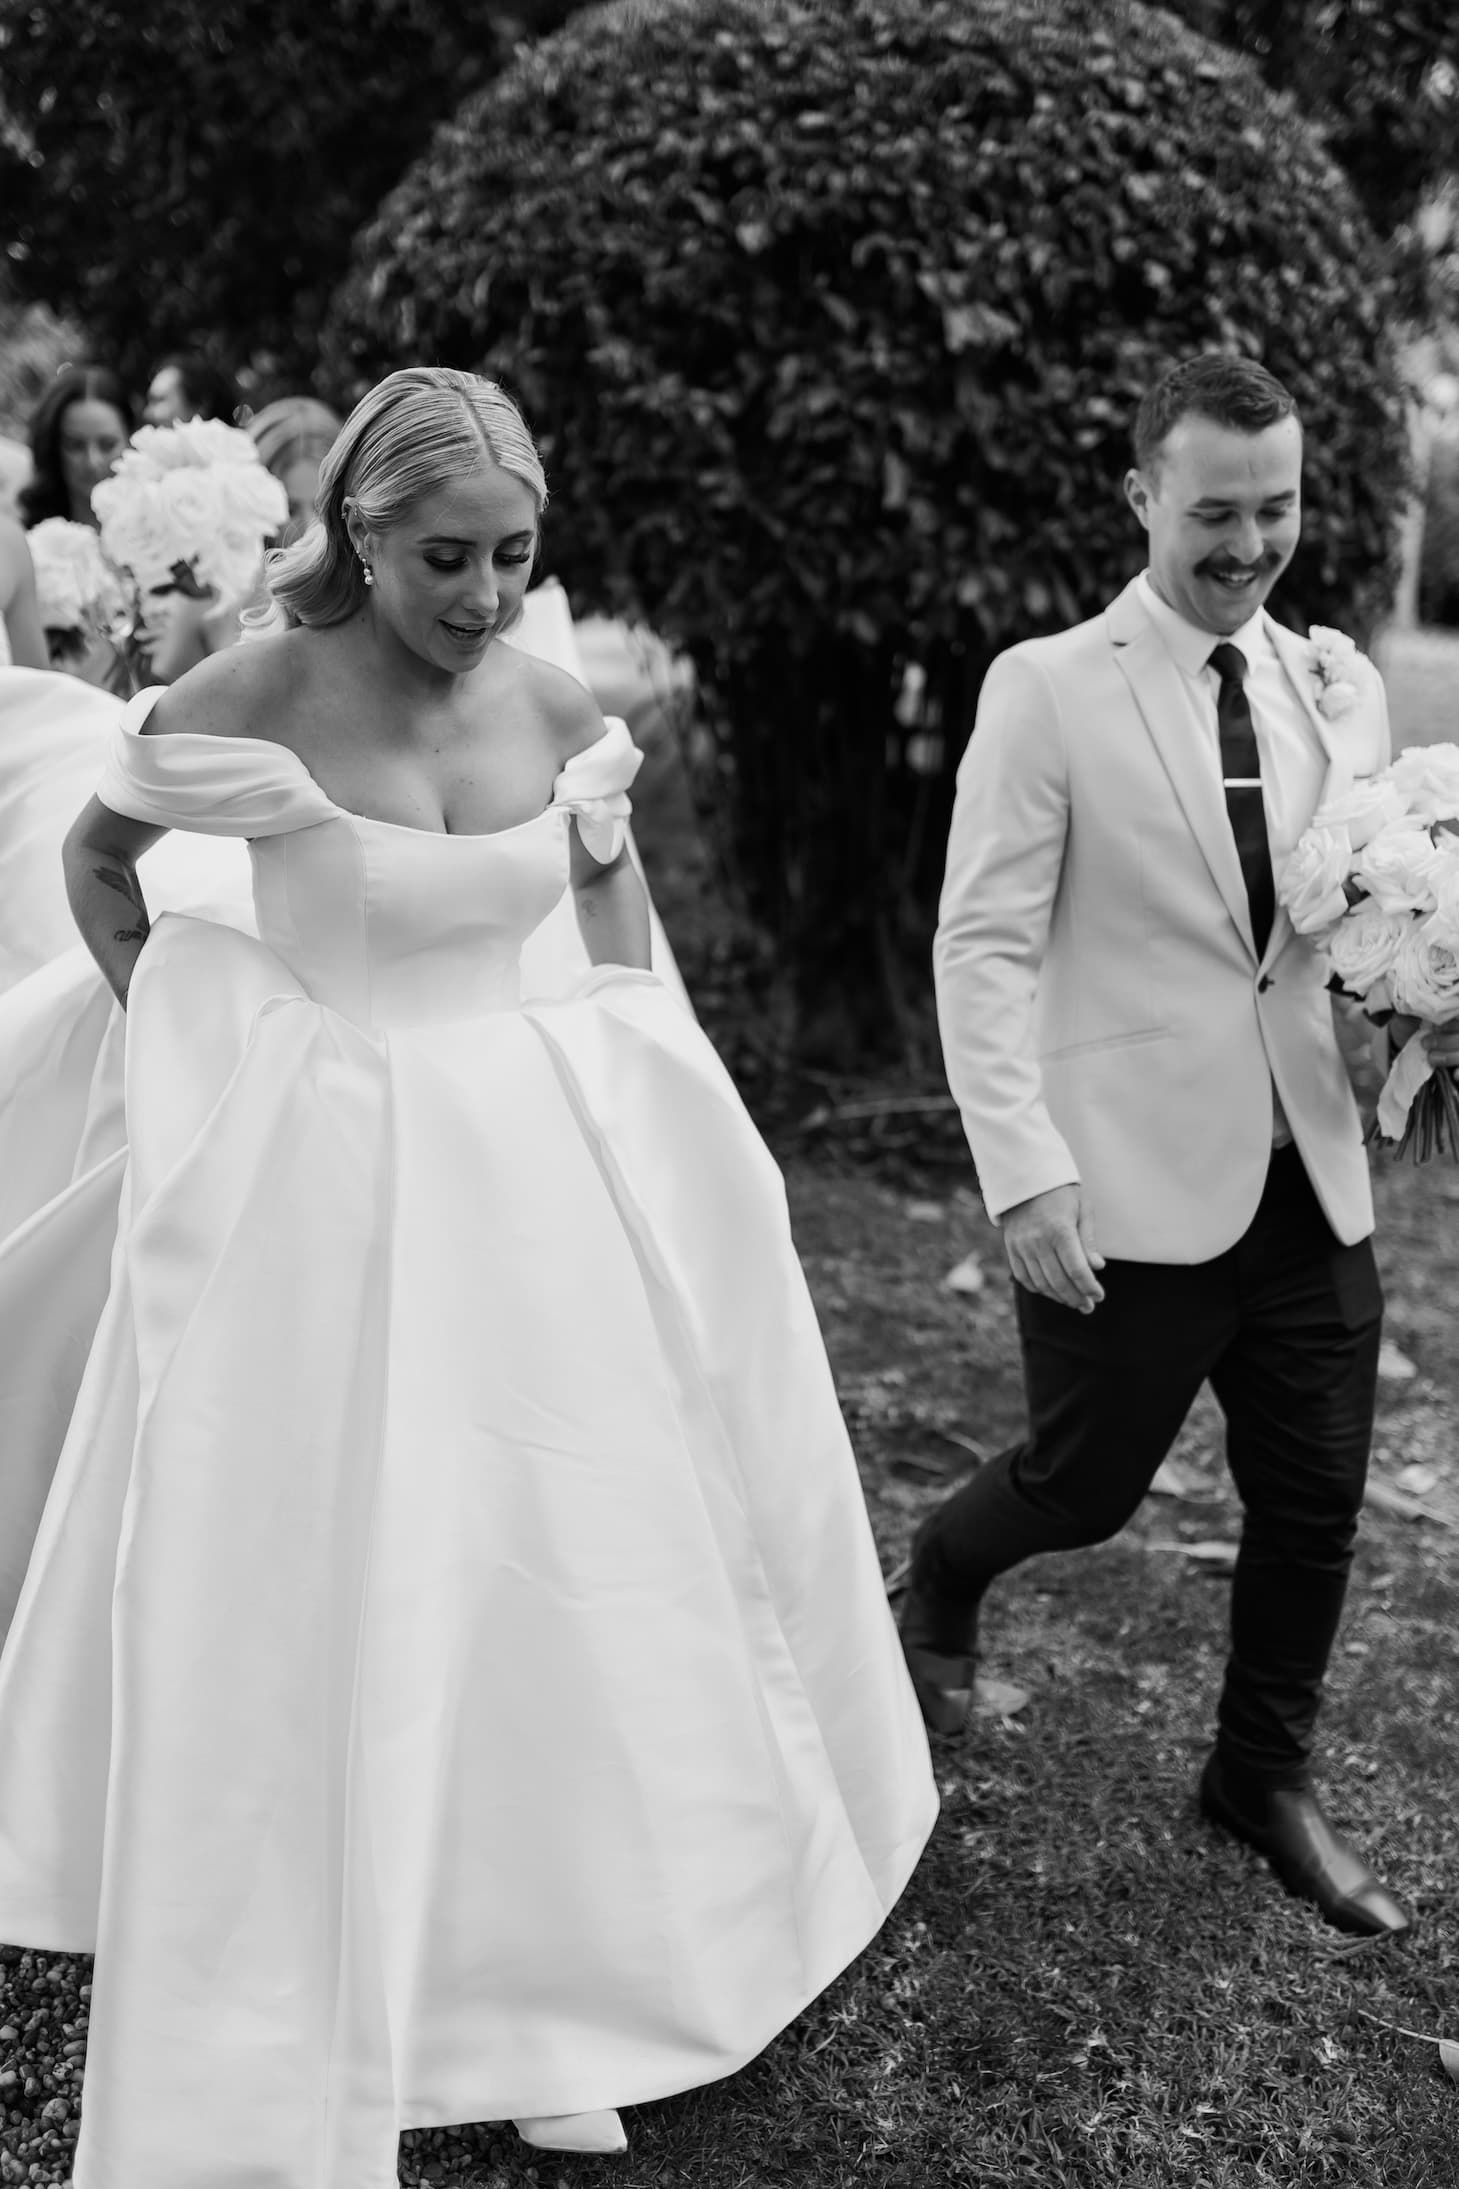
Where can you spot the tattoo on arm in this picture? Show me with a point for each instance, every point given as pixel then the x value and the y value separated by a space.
pixel 125 884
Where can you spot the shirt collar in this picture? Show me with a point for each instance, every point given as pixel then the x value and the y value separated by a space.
pixel 1190 647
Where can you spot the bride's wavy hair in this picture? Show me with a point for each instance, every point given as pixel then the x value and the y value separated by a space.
pixel 420 430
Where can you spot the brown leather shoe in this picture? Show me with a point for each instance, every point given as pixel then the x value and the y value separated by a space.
pixel 1312 1860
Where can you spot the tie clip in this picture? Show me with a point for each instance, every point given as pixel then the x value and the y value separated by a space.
pixel 1241 782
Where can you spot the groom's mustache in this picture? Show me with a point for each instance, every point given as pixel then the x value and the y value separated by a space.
pixel 1223 567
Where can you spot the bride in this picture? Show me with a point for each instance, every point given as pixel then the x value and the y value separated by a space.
pixel 451 1679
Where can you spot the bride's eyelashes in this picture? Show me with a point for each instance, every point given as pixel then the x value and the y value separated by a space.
pixel 509 562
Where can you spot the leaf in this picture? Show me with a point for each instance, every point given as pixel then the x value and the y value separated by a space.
pixel 997 1698
pixel 1211 1551
pixel 977 327
pixel 966 1277
pixel 1449 2058
pixel 1386 1499
pixel 1173 1479
pixel 1394 1366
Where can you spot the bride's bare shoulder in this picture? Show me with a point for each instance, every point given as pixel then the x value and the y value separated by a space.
pixel 572 716
pixel 241 692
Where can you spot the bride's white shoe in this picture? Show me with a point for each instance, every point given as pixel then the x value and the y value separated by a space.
pixel 573 2132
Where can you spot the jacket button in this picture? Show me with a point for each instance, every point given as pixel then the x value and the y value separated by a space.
pixel 1263 984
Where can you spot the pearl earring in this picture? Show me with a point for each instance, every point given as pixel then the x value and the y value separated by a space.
pixel 369 573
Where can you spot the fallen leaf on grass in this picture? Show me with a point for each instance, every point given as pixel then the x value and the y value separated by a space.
pixel 1388 1500
pixel 964 1444
pixel 1417 1478
pixel 1174 1479
pixel 966 1277
pixel 1394 1366
pixel 997 1698
pixel 925 1212
pixel 1206 1553
pixel 1449 2055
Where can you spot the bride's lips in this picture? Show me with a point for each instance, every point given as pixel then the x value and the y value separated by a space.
pixel 465 634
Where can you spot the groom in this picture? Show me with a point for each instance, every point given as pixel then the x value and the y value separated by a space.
pixel 1144 1057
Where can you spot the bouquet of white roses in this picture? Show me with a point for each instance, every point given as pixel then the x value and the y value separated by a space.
pixel 81 596
pixel 189 508
pixel 1375 882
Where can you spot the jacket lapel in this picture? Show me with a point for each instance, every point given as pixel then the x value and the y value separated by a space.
pixel 1175 729
pixel 1292 652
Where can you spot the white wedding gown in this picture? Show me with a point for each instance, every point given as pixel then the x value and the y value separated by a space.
pixel 452 1678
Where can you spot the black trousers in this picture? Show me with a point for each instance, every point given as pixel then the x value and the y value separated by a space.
pixel 1285 1327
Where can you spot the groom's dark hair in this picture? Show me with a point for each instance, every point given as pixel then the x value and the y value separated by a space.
pixel 1231 391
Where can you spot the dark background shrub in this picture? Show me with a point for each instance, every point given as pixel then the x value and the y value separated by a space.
pixel 177 172
pixel 832 318
pixel 1381 81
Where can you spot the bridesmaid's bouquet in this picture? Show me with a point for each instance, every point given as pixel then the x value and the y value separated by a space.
pixel 188 509
pixel 82 597
pixel 1374 882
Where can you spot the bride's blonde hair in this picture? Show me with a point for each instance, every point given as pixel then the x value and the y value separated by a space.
pixel 420 430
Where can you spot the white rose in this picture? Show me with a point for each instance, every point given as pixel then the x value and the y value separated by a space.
pixel 1363 946
pixel 194 444
pixel 1427 776
pixel 1311 885
pixel 195 494
pixel 209 441
pixel 60 588
pixel 135 530
pixel 1336 699
pixel 1397 869
pixel 1331 646
pixel 1445 880
pixel 75 585
pixel 1362 810
pixel 1425 976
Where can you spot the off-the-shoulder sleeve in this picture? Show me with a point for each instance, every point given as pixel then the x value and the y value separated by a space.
pixel 217 786
pixel 593 787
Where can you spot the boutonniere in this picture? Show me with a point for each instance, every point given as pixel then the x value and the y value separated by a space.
pixel 1331 659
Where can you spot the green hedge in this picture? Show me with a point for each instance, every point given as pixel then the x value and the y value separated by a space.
pixel 832 315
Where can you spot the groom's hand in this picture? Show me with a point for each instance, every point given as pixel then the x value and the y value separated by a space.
pixel 1049 1241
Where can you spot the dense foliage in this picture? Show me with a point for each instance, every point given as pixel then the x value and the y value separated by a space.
pixel 33 346
pixel 174 173
pixel 832 315
pixel 1381 80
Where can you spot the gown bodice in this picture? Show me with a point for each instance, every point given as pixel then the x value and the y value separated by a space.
pixel 386 924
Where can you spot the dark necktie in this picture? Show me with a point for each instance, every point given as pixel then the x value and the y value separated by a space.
pixel 1241 771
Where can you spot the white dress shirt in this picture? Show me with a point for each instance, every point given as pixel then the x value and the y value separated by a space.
pixel 1283 732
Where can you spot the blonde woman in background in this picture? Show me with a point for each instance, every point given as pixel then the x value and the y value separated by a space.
pixel 293 437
